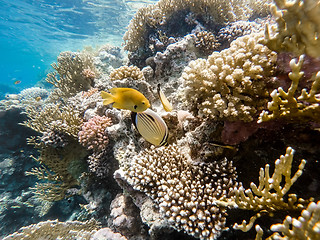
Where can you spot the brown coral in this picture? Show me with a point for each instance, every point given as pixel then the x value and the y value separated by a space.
pixel 185 192
pixel 126 72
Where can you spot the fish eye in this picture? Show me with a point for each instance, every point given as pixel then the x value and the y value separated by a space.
pixel 143 103
pixel 135 106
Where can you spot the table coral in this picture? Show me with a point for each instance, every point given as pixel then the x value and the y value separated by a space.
pixel 231 84
pixel 93 133
pixel 268 197
pixel 185 191
pixel 286 105
pixel 53 229
pixel 298 27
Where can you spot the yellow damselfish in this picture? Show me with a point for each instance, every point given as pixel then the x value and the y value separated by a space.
pixel 126 98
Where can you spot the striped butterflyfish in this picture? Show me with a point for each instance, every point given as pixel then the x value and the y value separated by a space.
pixel 151 127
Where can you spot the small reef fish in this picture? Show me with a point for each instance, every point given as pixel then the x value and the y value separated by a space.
pixel 126 98
pixel 38 99
pixel 165 103
pixel 223 146
pixel 17 82
pixel 151 127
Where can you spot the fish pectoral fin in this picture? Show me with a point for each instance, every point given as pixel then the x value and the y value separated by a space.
pixel 118 105
pixel 108 98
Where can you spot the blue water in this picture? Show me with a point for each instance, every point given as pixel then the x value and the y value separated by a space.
pixel 34 32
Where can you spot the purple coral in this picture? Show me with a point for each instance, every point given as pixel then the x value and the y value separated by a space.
pixel 93 135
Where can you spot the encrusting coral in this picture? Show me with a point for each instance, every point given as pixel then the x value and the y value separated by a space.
pixel 126 72
pixel 184 191
pixel 231 84
pixel 74 72
pixel 298 27
pixel 93 135
pixel 305 227
pixel 285 105
pixel 268 197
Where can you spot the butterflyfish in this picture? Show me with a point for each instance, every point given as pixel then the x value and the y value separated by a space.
pixel 165 103
pixel 151 127
pixel 126 98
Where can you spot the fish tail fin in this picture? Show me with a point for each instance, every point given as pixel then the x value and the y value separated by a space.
pixel 108 98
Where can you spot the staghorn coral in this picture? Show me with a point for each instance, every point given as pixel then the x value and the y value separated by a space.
pixel 298 25
pixel 268 196
pixel 286 105
pixel 65 168
pixel 53 117
pixel 306 227
pixel 184 191
pixel 93 133
pixel 74 72
pixel 230 85
pixel 53 229
pixel 126 72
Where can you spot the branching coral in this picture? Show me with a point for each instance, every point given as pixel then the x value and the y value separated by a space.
pixel 306 227
pixel 206 41
pixel 61 177
pixel 210 12
pixel 56 230
pixel 53 117
pixel 230 84
pixel 184 191
pixel 74 73
pixel 298 27
pixel 93 133
pixel 286 105
pixel 126 72
pixel 268 197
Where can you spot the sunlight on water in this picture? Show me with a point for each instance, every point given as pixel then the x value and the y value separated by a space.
pixel 34 32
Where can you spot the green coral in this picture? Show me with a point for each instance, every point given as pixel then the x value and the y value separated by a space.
pixel 70 75
pixel 287 105
pixel 298 27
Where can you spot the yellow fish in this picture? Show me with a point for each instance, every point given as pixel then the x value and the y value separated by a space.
pixel 126 98
pixel 165 103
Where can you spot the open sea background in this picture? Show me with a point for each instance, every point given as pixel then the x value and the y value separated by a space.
pixel 34 32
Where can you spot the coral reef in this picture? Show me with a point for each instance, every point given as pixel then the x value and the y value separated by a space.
pixel 285 105
pixel 206 41
pixel 304 227
pixel 298 26
pixel 74 72
pixel 268 196
pixel 185 192
pixel 93 133
pixel 231 84
pixel 126 72
pixel 57 230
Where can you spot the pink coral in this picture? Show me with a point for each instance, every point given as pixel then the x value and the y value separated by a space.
pixel 93 135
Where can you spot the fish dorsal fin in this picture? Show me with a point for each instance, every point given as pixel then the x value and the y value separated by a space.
pixel 165 103
pixel 115 91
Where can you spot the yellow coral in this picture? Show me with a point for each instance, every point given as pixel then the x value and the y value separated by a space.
pixel 298 27
pixel 229 85
pixel 286 105
pixel 268 196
